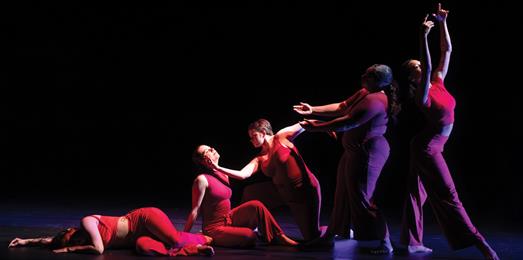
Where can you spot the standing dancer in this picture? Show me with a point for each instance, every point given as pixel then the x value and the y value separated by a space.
pixel 429 175
pixel 363 118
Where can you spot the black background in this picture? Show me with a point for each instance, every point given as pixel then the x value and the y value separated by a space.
pixel 105 103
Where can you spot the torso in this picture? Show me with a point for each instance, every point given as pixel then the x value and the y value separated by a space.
pixel 376 126
pixel 216 203
pixel 439 109
pixel 113 230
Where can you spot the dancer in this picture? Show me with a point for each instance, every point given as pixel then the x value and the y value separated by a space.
pixel 148 230
pixel 363 118
pixel 429 175
pixel 279 159
pixel 229 228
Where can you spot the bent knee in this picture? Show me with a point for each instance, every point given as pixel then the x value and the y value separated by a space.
pixel 255 204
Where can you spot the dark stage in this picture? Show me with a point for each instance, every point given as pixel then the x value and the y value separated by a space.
pixel 101 107
pixel 26 220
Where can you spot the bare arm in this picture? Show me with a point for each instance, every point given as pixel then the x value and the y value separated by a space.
pixel 330 110
pixel 199 186
pixel 445 44
pixel 40 241
pixel 90 224
pixel 291 132
pixel 246 172
pixel 422 92
pixel 347 122
pixel 90 249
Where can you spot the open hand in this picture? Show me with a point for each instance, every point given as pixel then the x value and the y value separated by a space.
pixel 303 109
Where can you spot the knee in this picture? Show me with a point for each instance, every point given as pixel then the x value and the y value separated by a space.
pixel 144 245
pixel 249 240
pixel 152 211
pixel 255 204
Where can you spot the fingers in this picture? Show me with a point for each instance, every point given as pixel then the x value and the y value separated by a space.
pixel 13 243
pixel 425 19
pixel 439 6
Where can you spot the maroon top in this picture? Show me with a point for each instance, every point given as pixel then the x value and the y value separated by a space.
pixel 439 109
pixel 216 203
pixel 370 110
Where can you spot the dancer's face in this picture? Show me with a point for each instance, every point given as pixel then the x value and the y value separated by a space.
pixel 208 152
pixel 414 68
pixel 256 137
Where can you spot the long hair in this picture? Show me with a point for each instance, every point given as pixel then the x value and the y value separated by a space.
pixel 394 103
pixel 383 74
pixel 197 159
pixel 79 237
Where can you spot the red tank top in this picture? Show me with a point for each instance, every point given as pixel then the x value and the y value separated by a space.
pixel 440 104
pixel 286 166
pixel 216 203
pixel 107 227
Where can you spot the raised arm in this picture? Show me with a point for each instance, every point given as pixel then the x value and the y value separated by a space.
pixel 40 241
pixel 246 172
pixel 422 92
pixel 369 109
pixel 445 44
pixel 199 186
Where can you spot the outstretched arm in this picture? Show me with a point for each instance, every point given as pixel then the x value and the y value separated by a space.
pixel 198 192
pixel 422 92
pixel 368 110
pixel 246 172
pixel 330 110
pixel 40 241
pixel 445 44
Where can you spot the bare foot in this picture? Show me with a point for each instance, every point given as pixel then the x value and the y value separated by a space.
pixel 208 240
pixel 286 241
pixel 419 249
pixel 384 248
pixel 205 250
pixel 486 250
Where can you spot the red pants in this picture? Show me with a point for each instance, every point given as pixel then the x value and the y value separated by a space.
pixel 358 172
pixel 237 228
pixel 430 178
pixel 154 234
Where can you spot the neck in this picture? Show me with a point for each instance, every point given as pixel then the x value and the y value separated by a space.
pixel 267 144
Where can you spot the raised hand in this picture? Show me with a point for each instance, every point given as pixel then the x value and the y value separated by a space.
pixel 303 109
pixel 441 14
pixel 427 25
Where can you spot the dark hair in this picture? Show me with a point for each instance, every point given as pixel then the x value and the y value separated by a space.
pixel 261 125
pixel 394 103
pixel 197 157
pixel 79 237
pixel 407 86
pixel 383 73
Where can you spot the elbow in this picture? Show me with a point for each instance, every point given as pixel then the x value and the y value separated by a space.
pixel 99 250
pixel 446 49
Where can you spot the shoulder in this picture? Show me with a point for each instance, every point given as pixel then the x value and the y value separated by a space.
pixel 376 100
pixel 436 80
pixel 201 180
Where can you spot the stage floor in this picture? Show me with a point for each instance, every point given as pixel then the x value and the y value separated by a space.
pixel 26 220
